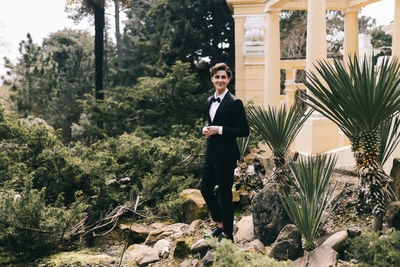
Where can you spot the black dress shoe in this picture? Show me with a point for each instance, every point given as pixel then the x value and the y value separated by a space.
pixel 222 236
pixel 216 231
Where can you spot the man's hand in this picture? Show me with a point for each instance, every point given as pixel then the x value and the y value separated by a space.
pixel 209 131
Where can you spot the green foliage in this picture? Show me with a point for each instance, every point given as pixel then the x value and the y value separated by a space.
pixel 154 105
pixel 228 255
pixel 374 249
pixel 390 138
pixel 380 38
pixel 242 143
pixel 149 163
pixel 31 226
pixel 48 80
pixel 161 32
pixel 278 128
pixel 312 198
pixel 48 187
pixel 359 98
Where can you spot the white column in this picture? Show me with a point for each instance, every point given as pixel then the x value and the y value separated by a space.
pixel 272 60
pixel 396 30
pixel 316 33
pixel 350 34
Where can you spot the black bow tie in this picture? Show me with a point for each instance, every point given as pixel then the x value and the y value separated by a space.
pixel 215 99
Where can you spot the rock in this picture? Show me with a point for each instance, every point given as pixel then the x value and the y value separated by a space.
pixel 137 232
pixel 245 229
pixel 201 246
pixel 250 170
pixel 174 231
pixel 255 246
pixel 287 245
pixel 195 207
pixel 157 225
pixel 354 232
pixel 269 217
pixel 194 226
pixel 148 258
pixel 181 249
pixel 208 259
pixel 395 174
pixel 76 258
pixel 186 263
pixel 154 254
pixel 134 253
pixel 393 215
pixel 244 197
pixel 324 255
pixel 336 241
pixel 162 248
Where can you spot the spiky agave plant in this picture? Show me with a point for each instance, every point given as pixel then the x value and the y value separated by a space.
pixel 312 199
pixel 278 127
pixel 358 98
pixel 390 138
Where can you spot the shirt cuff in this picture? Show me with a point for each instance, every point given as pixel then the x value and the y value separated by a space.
pixel 204 128
pixel 220 130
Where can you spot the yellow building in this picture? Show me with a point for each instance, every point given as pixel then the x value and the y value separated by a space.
pixel 258 63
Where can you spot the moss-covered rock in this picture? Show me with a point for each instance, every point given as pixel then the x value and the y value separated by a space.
pixel 79 258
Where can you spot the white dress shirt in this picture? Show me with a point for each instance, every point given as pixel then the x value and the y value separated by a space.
pixel 213 109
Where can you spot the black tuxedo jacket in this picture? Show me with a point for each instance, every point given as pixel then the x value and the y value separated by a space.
pixel 232 117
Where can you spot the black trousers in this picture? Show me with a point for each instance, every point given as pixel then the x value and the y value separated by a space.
pixel 219 203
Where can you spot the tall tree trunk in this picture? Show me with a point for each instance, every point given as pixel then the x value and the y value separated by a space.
pixel 99 48
pixel 117 32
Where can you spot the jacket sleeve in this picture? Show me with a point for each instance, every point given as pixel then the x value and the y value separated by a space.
pixel 241 126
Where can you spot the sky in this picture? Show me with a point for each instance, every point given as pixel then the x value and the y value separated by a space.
pixel 41 17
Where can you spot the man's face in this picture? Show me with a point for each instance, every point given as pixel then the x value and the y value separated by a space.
pixel 220 80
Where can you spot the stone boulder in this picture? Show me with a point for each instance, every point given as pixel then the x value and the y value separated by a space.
pixel 255 246
pixel 159 251
pixel 393 215
pixel 245 229
pixel 137 233
pixel 326 254
pixel 172 231
pixel 134 252
pixel 195 206
pixel 201 246
pixel 395 174
pixel 208 259
pixel 269 217
pixel 287 245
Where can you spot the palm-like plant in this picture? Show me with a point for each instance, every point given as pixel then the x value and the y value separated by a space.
pixel 390 138
pixel 242 143
pixel 311 202
pixel 358 98
pixel 278 128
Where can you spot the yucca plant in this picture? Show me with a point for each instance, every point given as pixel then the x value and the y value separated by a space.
pixel 278 127
pixel 311 200
pixel 242 143
pixel 359 98
pixel 390 138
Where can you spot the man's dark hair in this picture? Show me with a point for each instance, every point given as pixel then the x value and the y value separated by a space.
pixel 220 66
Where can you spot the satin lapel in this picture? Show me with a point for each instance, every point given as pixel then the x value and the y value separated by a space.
pixel 226 99
pixel 208 110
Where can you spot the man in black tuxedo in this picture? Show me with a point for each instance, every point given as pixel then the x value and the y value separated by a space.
pixel 226 121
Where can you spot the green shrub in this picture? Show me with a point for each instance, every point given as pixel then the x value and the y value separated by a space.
pixel 228 255
pixel 374 249
pixel 32 227
pixel 312 199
